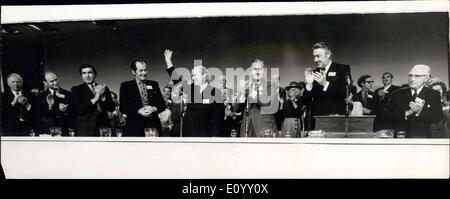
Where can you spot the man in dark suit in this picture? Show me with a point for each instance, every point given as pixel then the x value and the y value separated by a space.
pixel 52 105
pixel 381 97
pixel 366 97
pixel 413 109
pixel 141 100
pixel 204 109
pixel 16 108
pixel 91 103
pixel 327 83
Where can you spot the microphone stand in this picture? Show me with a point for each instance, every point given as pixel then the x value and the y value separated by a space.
pixel 182 114
pixel 247 115
pixel 347 94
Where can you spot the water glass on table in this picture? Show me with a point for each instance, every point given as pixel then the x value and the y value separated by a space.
pixel 151 132
pixel 105 132
pixel 55 131
pixel 119 132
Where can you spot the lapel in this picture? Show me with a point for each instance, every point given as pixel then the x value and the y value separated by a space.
pixel 423 94
pixel 391 88
pixel 331 69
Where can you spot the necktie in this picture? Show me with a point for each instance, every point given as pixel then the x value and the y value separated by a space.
pixel 322 70
pixel 99 108
pixel 414 95
pixel 364 98
pixel 143 91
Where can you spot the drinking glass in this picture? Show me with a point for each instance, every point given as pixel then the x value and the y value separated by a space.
pixel 105 132
pixel 401 134
pixel 71 132
pixel 119 132
pixel 32 132
pixel 233 133
pixel 151 132
pixel 55 131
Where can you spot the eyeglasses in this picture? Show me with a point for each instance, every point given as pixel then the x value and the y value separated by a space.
pixel 416 76
pixel 370 82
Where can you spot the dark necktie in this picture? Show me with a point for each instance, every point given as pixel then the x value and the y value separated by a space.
pixel 364 99
pixel 322 70
pixel 414 96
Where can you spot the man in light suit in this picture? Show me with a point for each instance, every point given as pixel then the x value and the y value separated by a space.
pixel 204 109
pixel 261 96
pixel 91 102
pixel 413 109
pixel 17 107
pixel 141 100
pixel 52 105
pixel 327 83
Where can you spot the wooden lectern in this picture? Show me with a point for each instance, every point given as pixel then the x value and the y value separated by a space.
pixel 339 126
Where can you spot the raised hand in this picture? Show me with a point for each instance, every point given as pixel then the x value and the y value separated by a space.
pixel 100 89
pixel 309 78
pixel 168 57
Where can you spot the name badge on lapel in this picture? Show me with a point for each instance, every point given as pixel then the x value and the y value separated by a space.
pixel 369 96
pixel 206 101
pixel 60 96
pixel 149 87
pixel 332 74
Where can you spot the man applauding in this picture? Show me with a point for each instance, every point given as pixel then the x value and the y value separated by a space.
pixel 413 109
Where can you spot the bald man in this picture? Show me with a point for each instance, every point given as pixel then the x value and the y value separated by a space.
pixel 16 108
pixel 53 105
pixel 414 108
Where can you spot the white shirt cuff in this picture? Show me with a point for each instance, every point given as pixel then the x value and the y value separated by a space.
pixel 326 86
pixel 309 87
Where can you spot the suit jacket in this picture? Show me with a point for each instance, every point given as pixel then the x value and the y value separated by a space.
pixel 55 117
pixel 414 126
pixel 370 101
pixel 261 114
pixel 88 119
pixel 381 121
pixel 331 101
pixel 11 124
pixel 130 103
pixel 204 116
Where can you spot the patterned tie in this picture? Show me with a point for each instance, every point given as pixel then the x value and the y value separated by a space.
pixel 143 91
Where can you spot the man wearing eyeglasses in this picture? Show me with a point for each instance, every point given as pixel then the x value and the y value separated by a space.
pixel 366 96
pixel 414 108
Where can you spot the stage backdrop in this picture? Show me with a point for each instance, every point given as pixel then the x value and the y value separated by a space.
pixel 371 44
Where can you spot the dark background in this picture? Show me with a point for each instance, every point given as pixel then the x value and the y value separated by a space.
pixel 370 43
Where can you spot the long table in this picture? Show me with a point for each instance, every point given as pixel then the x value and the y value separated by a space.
pixel 198 158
